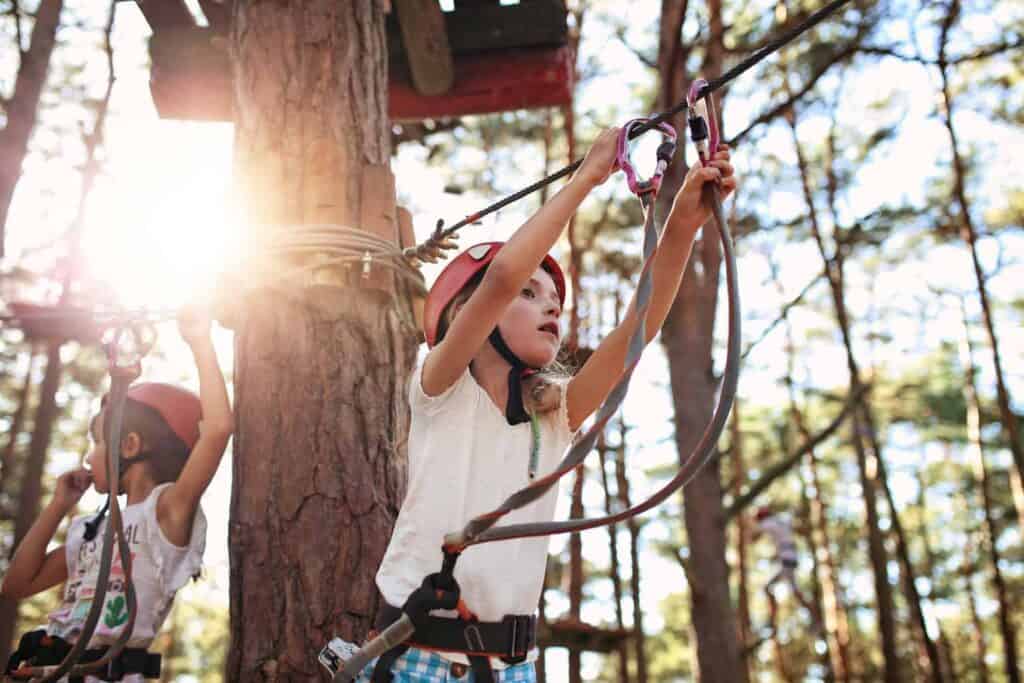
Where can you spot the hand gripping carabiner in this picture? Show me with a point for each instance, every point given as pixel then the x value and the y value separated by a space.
pixel 665 152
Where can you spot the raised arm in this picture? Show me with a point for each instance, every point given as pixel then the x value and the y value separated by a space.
pixel 512 268
pixel 33 569
pixel 178 503
pixel 588 389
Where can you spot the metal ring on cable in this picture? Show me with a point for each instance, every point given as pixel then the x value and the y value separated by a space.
pixel 666 150
pixel 702 129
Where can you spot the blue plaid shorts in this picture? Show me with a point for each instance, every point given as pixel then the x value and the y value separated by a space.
pixel 423 666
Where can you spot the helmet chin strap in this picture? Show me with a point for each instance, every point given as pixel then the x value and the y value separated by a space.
pixel 515 412
pixel 92 527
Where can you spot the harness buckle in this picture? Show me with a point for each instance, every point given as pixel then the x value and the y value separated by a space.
pixel 522 636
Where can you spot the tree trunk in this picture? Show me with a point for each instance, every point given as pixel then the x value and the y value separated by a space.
pixel 945 646
pixel 831 610
pixel 977 626
pixel 17 423
pixel 977 456
pixel 31 481
pixel 868 471
pixel 622 485
pixel 615 569
pixel 970 236
pixel 319 458
pixel 688 338
pixel 576 573
pixel 739 477
pixel 22 108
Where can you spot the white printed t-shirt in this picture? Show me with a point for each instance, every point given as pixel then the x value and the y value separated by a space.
pixel 464 460
pixel 159 569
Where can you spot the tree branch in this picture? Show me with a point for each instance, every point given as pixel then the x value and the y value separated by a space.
pixel 783 466
pixel 783 313
pixel 778 109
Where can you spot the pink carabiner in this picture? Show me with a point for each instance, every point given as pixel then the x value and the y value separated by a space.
pixel 636 185
pixel 712 120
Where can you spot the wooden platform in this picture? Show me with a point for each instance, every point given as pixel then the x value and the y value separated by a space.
pixel 576 635
pixel 481 57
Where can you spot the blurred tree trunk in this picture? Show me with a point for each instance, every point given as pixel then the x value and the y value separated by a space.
pixel 576 573
pixel 831 610
pixel 739 477
pixel 945 646
pixel 625 502
pixel 30 483
pixel 688 337
pixel 320 370
pixel 615 569
pixel 817 590
pixel 868 471
pixel 970 236
pixel 17 423
pixel 21 110
pixel 977 626
pixel 976 452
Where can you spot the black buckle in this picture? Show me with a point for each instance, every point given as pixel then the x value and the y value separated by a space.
pixel 522 629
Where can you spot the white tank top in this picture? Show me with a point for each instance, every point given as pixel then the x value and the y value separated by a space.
pixel 464 460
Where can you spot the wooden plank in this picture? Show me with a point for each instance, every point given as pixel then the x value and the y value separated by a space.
pixel 486 83
pixel 166 14
pixel 190 75
pixel 425 40
pixel 575 635
pixel 217 13
pixel 531 23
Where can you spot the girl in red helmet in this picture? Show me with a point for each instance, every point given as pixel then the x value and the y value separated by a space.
pixel 171 444
pixel 486 416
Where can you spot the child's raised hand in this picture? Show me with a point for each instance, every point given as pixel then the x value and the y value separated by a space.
pixel 194 324
pixel 600 160
pixel 689 200
pixel 70 488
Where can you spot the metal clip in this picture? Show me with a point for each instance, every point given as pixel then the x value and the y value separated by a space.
pixel 335 653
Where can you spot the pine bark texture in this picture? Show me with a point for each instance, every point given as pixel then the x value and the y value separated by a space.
pixel 321 370
pixel 22 108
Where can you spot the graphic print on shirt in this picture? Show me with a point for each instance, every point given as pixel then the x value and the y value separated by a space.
pixel 78 596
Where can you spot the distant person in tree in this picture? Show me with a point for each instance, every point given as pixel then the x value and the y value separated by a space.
pixel 171 443
pixel 780 529
pixel 489 412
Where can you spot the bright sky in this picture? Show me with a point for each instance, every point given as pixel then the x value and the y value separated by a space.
pixel 159 228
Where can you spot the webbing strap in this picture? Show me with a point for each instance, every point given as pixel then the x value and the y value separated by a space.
pixel 121 378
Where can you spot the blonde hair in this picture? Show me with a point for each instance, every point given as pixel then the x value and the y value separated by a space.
pixel 542 392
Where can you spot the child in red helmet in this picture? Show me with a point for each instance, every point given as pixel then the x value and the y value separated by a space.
pixel 171 444
pixel 487 417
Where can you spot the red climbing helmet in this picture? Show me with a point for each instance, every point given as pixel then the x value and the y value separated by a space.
pixel 460 271
pixel 179 408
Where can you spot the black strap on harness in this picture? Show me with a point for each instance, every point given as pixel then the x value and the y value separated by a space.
pixel 510 639
pixel 37 649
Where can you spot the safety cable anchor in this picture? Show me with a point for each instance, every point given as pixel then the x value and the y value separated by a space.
pixel 367 261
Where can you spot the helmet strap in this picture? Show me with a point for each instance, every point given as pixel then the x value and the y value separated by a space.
pixel 92 527
pixel 515 411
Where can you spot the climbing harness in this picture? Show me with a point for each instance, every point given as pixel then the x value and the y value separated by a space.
pixel 44 660
pixel 38 649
